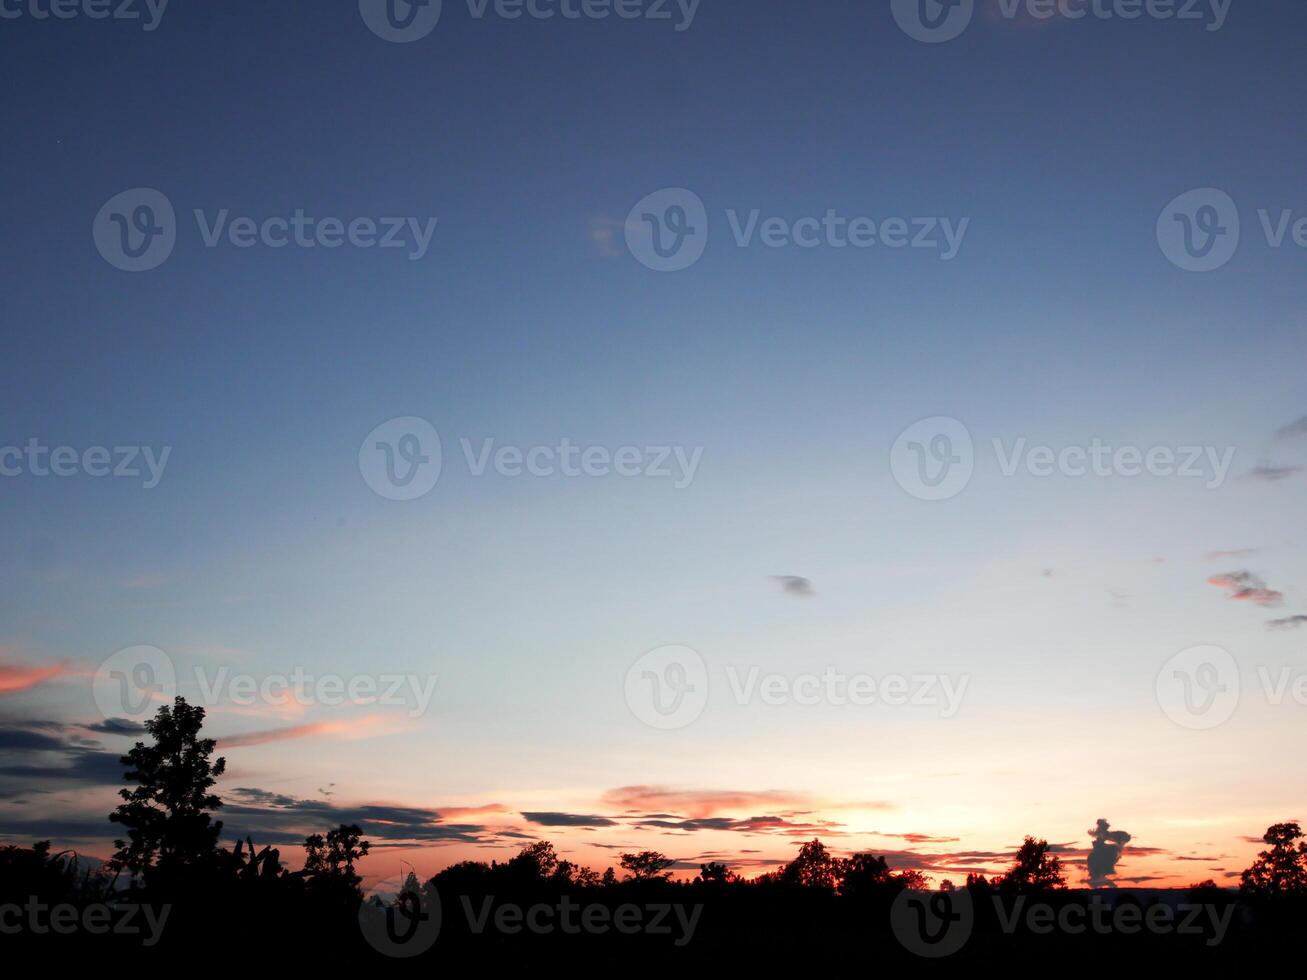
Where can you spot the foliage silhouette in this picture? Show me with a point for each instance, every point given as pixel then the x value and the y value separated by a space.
pixel 167 814
pixel 816 905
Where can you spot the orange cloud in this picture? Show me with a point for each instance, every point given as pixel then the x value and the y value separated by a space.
pixel 369 726
pixel 16 677
pixel 697 803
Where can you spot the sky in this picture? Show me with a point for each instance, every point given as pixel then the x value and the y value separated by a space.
pixel 815 466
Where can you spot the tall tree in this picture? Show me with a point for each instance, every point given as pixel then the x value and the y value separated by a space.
pixel 1036 869
pixel 1282 869
pixel 332 856
pixel 167 813
pixel 812 868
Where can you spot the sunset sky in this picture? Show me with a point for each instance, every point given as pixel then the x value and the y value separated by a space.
pixel 787 374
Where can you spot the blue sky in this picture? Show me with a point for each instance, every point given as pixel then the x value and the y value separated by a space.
pixel 1060 320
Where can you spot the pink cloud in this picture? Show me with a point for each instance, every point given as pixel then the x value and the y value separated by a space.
pixel 1246 587
pixel 369 726
pixel 18 677
pixel 697 803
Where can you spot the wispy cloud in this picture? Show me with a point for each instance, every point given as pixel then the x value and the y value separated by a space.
pixel 795 585
pixel 15 678
pixel 697 803
pixel 1272 474
pixel 1244 586
pixel 369 726
pixel 1288 623
pixel 1294 430
pixel 555 819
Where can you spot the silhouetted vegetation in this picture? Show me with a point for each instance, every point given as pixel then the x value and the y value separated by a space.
pixel 537 907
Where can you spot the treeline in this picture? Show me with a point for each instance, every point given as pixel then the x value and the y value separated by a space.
pixel 186 893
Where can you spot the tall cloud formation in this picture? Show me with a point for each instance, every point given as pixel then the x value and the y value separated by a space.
pixel 1104 854
pixel 1247 587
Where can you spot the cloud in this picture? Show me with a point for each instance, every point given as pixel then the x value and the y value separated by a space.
pixel 1272 474
pixel 603 235
pixel 795 585
pixel 279 818
pixel 750 825
pixel 1232 553
pixel 366 727
pixel 1247 587
pixel 116 726
pixel 1104 854
pixel 1293 430
pixel 16 677
pixel 1288 623
pixel 79 766
pixel 696 803
pixel 551 819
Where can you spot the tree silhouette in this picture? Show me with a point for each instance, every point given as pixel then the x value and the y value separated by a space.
pixel 538 860
pixel 863 874
pixel 813 868
pixel 715 873
pixel 166 815
pixel 333 855
pixel 1281 870
pixel 647 865
pixel 1035 869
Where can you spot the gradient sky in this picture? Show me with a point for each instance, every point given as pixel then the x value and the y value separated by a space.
pixel 1060 321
